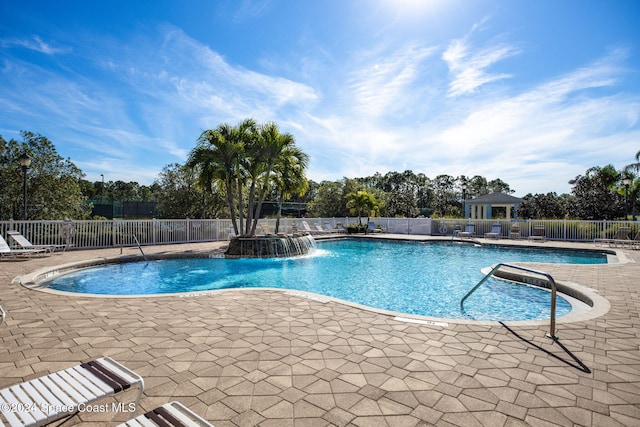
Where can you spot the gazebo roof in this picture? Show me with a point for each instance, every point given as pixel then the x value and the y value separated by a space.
pixel 496 198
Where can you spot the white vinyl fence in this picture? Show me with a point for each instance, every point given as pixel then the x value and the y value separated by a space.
pixel 118 233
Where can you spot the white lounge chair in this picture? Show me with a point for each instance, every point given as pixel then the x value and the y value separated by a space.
pixel 371 228
pixel 169 414
pixel 26 244
pixel 621 239
pixel 5 250
pixel 538 233
pixel 496 232
pixel 622 234
pixel 310 230
pixel 514 231
pixel 61 394
pixel 3 314
pixel 469 231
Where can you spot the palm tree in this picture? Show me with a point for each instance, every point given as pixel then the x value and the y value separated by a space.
pixel 241 161
pixel 272 148
pixel 361 202
pixel 631 171
pixel 216 158
pixel 289 178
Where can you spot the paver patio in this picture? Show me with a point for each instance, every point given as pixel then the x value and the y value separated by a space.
pixel 272 358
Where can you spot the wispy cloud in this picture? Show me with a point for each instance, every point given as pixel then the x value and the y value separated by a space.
pixel 251 9
pixel 387 107
pixel 469 67
pixel 37 44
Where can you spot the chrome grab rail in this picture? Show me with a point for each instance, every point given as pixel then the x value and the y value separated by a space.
pixel 554 290
pixel 139 247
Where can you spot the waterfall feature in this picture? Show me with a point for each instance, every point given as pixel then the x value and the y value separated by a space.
pixel 270 246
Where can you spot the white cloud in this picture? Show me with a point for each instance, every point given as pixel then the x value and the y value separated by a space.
pixel 469 68
pixel 37 44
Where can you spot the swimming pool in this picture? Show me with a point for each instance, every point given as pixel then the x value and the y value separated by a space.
pixel 407 277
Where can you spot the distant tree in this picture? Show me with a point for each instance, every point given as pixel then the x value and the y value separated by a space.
pixel 445 200
pixel 499 186
pixel 362 203
pixel 544 206
pixel 53 183
pixel 179 196
pixel 329 201
pixel 595 194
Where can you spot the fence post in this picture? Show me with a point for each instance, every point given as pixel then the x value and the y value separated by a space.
pixel 154 226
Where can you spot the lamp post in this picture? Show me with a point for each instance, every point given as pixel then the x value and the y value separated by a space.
pixel 102 196
pixel 464 200
pixel 626 183
pixel 25 162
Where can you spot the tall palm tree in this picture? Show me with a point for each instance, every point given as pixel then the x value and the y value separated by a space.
pixel 241 161
pixel 216 157
pixel 289 177
pixel 273 148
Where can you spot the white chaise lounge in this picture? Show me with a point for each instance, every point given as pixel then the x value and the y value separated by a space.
pixel 60 394
pixel 171 414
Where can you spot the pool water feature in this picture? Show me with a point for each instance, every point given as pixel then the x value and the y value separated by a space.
pixel 414 278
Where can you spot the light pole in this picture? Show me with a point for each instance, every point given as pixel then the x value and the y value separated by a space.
pixel 626 183
pixel 464 200
pixel 25 162
pixel 102 196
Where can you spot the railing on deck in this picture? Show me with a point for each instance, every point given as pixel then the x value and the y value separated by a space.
pixel 117 233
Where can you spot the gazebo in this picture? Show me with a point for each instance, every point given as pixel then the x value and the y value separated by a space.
pixel 492 205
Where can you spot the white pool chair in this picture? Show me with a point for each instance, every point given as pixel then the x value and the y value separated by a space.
pixel 172 414
pixel 310 230
pixel 26 244
pixel 469 231
pixel 3 314
pixel 495 233
pixel 60 394
pixel 5 250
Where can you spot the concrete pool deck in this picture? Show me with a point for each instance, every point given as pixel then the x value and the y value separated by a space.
pixel 273 358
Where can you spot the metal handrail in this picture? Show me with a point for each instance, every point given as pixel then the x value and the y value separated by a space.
pixel 139 247
pixel 554 290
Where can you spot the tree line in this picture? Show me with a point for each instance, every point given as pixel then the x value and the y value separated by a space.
pixel 233 171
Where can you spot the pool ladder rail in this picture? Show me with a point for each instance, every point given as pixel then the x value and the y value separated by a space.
pixel 552 282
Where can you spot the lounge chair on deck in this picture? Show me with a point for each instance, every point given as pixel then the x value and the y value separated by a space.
pixel 538 233
pixel 167 415
pixel 469 231
pixel 5 250
pixel 26 244
pixel 635 243
pixel 622 234
pixel 62 393
pixel 495 233
pixel 328 229
pixel 621 239
pixel 3 314
pixel 514 231
pixel 310 230
pixel 371 228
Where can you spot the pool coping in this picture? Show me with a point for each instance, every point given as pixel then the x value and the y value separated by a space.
pixel 572 291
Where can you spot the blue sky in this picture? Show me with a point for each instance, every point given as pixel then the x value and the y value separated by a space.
pixel 532 91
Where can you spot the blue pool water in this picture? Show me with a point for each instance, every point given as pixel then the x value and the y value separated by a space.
pixel 414 278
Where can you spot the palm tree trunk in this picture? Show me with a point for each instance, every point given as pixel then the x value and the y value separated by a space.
pixel 240 206
pixel 278 215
